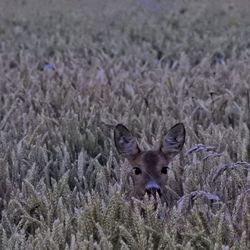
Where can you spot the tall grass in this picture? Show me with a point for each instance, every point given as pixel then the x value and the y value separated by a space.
pixel 69 73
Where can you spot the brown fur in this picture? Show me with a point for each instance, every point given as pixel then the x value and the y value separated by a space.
pixel 149 167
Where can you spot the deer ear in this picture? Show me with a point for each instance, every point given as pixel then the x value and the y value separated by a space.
pixel 125 142
pixel 173 141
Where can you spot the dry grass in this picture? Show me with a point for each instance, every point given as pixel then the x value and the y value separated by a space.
pixel 70 72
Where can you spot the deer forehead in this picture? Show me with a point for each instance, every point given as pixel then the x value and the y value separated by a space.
pixel 149 159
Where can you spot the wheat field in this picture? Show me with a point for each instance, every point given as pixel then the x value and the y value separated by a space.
pixel 71 70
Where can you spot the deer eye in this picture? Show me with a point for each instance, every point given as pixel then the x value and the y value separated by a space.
pixel 164 170
pixel 137 171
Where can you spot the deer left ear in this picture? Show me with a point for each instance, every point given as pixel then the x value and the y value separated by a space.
pixel 173 141
pixel 125 142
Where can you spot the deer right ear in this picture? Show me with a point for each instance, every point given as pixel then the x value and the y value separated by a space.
pixel 173 141
pixel 125 142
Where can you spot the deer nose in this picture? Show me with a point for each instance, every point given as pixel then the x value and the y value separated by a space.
pixel 152 187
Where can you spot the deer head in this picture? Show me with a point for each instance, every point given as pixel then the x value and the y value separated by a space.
pixel 149 168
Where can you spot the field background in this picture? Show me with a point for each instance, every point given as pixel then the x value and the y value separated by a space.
pixel 71 70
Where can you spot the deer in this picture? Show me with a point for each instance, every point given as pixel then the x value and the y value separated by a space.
pixel 149 169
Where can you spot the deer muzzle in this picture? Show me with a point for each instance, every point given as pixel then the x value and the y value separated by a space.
pixel 152 187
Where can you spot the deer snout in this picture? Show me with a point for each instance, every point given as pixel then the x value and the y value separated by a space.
pixel 152 187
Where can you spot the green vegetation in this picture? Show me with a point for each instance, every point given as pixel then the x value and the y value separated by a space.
pixel 147 64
